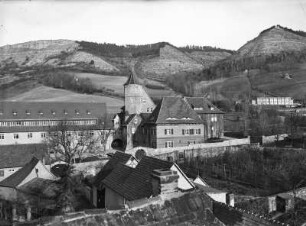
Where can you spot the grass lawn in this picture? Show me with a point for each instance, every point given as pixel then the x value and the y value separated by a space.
pixel 44 93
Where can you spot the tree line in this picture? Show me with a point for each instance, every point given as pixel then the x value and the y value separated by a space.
pixel 274 170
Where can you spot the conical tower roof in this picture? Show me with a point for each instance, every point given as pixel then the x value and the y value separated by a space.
pixel 131 80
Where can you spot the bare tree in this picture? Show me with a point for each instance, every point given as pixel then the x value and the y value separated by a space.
pixel 68 142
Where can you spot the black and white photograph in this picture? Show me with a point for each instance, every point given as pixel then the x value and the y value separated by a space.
pixel 153 112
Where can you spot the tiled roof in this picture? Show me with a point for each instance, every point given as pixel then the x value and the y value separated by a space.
pixel 174 110
pixel 11 110
pixel 202 105
pixel 18 155
pixel 131 80
pixel 15 179
pixel 117 158
pixel 136 181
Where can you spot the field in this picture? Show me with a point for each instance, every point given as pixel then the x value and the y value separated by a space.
pixel 114 83
pixel 233 88
pixel 43 93
pixel 274 83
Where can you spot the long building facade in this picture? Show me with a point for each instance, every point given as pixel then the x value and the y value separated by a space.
pixel 30 122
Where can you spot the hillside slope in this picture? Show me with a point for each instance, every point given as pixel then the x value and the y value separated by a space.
pixel 274 63
pixel 272 41
pixel 168 61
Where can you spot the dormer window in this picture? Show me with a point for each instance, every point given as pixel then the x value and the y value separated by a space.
pixel 28 112
pixel 77 112
pixel 53 112
pixel 65 112
pixel 14 112
pixel 211 108
pixel 41 113
pixel 1 113
pixel 88 112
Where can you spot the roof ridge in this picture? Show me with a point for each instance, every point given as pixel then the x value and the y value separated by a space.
pixel 16 178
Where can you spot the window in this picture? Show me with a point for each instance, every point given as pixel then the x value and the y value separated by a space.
pixel 191 131
pixel 16 136
pixel 30 135
pixel 43 135
pixel 169 144
pixel 148 109
pixel 183 131
pixel 168 131
pixel 198 131
pixel 133 130
pixel 1 136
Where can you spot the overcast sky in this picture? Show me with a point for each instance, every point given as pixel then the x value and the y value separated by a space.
pixel 221 23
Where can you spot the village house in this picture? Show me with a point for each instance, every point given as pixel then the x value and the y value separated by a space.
pixel 22 188
pixel 14 157
pixel 125 180
pixel 172 122
pixel 30 122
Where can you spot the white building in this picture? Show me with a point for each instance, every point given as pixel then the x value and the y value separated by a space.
pixel 277 101
pixel 30 122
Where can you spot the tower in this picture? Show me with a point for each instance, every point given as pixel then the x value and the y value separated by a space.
pixel 136 99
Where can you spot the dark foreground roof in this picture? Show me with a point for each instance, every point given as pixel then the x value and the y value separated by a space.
pixel 16 178
pixel 174 110
pixel 117 158
pixel 18 155
pixel 192 208
pixel 135 183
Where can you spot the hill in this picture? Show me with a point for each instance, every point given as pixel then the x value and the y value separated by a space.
pixel 264 62
pixel 60 64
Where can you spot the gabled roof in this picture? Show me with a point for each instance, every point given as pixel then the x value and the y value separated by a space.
pixel 202 105
pixel 131 80
pixel 15 179
pixel 18 110
pixel 174 110
pixel 136 183
pixel 12 156
pixel 117 158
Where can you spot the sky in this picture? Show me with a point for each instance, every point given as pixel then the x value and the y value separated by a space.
pixel 219 23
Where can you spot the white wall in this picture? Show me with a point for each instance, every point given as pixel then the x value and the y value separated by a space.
pixel 23 138
pixel 183 182
pixel 8 172
pixel 219 197
pixel 43 172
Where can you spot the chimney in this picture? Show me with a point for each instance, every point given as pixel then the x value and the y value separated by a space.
pixel 230 199
pixel 164 181
pixel 272 203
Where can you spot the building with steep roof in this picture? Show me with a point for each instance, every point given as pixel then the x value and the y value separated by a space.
pixel 173 122
pixel 29 122
pixel 14 157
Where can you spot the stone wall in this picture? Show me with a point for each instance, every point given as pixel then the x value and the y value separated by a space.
pixel 194 150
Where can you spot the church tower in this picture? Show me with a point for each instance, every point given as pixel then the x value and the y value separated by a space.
pixel 136 99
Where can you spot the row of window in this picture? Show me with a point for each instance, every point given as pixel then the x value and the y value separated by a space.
pixel 77 112
pixel 16 136
pixel 47 123
pixel 169 144
pixel 184 131
pixel 43 135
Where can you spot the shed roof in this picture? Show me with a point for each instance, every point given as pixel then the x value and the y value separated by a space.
pixel 15 179
pixel 117 158
pixel 135 183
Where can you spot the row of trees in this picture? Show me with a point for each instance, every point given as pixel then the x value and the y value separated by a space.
pixel 269 169
pixel 65 80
